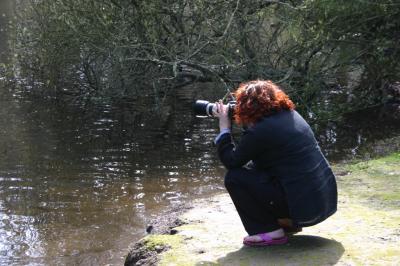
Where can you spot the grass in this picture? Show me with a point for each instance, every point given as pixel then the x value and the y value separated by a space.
pixel 374 182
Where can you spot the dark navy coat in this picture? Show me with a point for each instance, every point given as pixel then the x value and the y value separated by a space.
pixel 284 146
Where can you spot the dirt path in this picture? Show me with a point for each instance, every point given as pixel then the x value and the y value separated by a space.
pixel 364 231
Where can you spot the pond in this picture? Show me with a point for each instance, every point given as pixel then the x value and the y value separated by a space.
pixel 78 184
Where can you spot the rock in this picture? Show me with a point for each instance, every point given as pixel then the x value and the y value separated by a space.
pixel 173 231
pixel 141 255
pixel 164 224
pixel 149 228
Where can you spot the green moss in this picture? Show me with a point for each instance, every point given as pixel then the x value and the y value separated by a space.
pixel 374 182
pixel 176 253
pixel 152 242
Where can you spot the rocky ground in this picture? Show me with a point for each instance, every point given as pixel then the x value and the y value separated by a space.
pixel 364 231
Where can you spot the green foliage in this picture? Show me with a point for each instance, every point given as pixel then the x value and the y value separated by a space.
pixel 351 46
pixel 323 52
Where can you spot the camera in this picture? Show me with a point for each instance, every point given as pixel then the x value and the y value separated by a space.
pixel 205 108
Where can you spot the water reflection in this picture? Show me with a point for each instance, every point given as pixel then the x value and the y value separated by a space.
pixel 78 186
pixel 78 183
pixel 357 135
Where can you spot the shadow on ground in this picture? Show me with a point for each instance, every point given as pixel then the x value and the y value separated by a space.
pixel 301 250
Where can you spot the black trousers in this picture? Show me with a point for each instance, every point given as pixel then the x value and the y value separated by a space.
pixel 258 198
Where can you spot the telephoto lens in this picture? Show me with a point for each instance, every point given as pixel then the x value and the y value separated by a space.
pixel 203 108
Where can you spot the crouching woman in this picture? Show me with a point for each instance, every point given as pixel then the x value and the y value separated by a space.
pixel 278 178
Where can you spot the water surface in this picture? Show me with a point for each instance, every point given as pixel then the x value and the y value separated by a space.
pixel 79 183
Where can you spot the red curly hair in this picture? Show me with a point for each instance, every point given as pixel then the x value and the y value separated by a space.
pixel 259 98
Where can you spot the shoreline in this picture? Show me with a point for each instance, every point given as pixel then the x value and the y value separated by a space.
pixel 210 231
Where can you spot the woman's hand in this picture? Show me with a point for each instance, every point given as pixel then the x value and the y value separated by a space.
pixel 221 111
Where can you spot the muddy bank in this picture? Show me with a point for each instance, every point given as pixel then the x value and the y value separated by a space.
pixel 365 230
pixel 146 250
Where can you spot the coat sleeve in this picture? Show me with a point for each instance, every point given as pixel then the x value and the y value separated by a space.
pixel 251 145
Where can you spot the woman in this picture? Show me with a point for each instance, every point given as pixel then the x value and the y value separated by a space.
pixel 277 171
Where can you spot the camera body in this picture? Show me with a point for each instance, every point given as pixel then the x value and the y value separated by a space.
pixel 205 108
